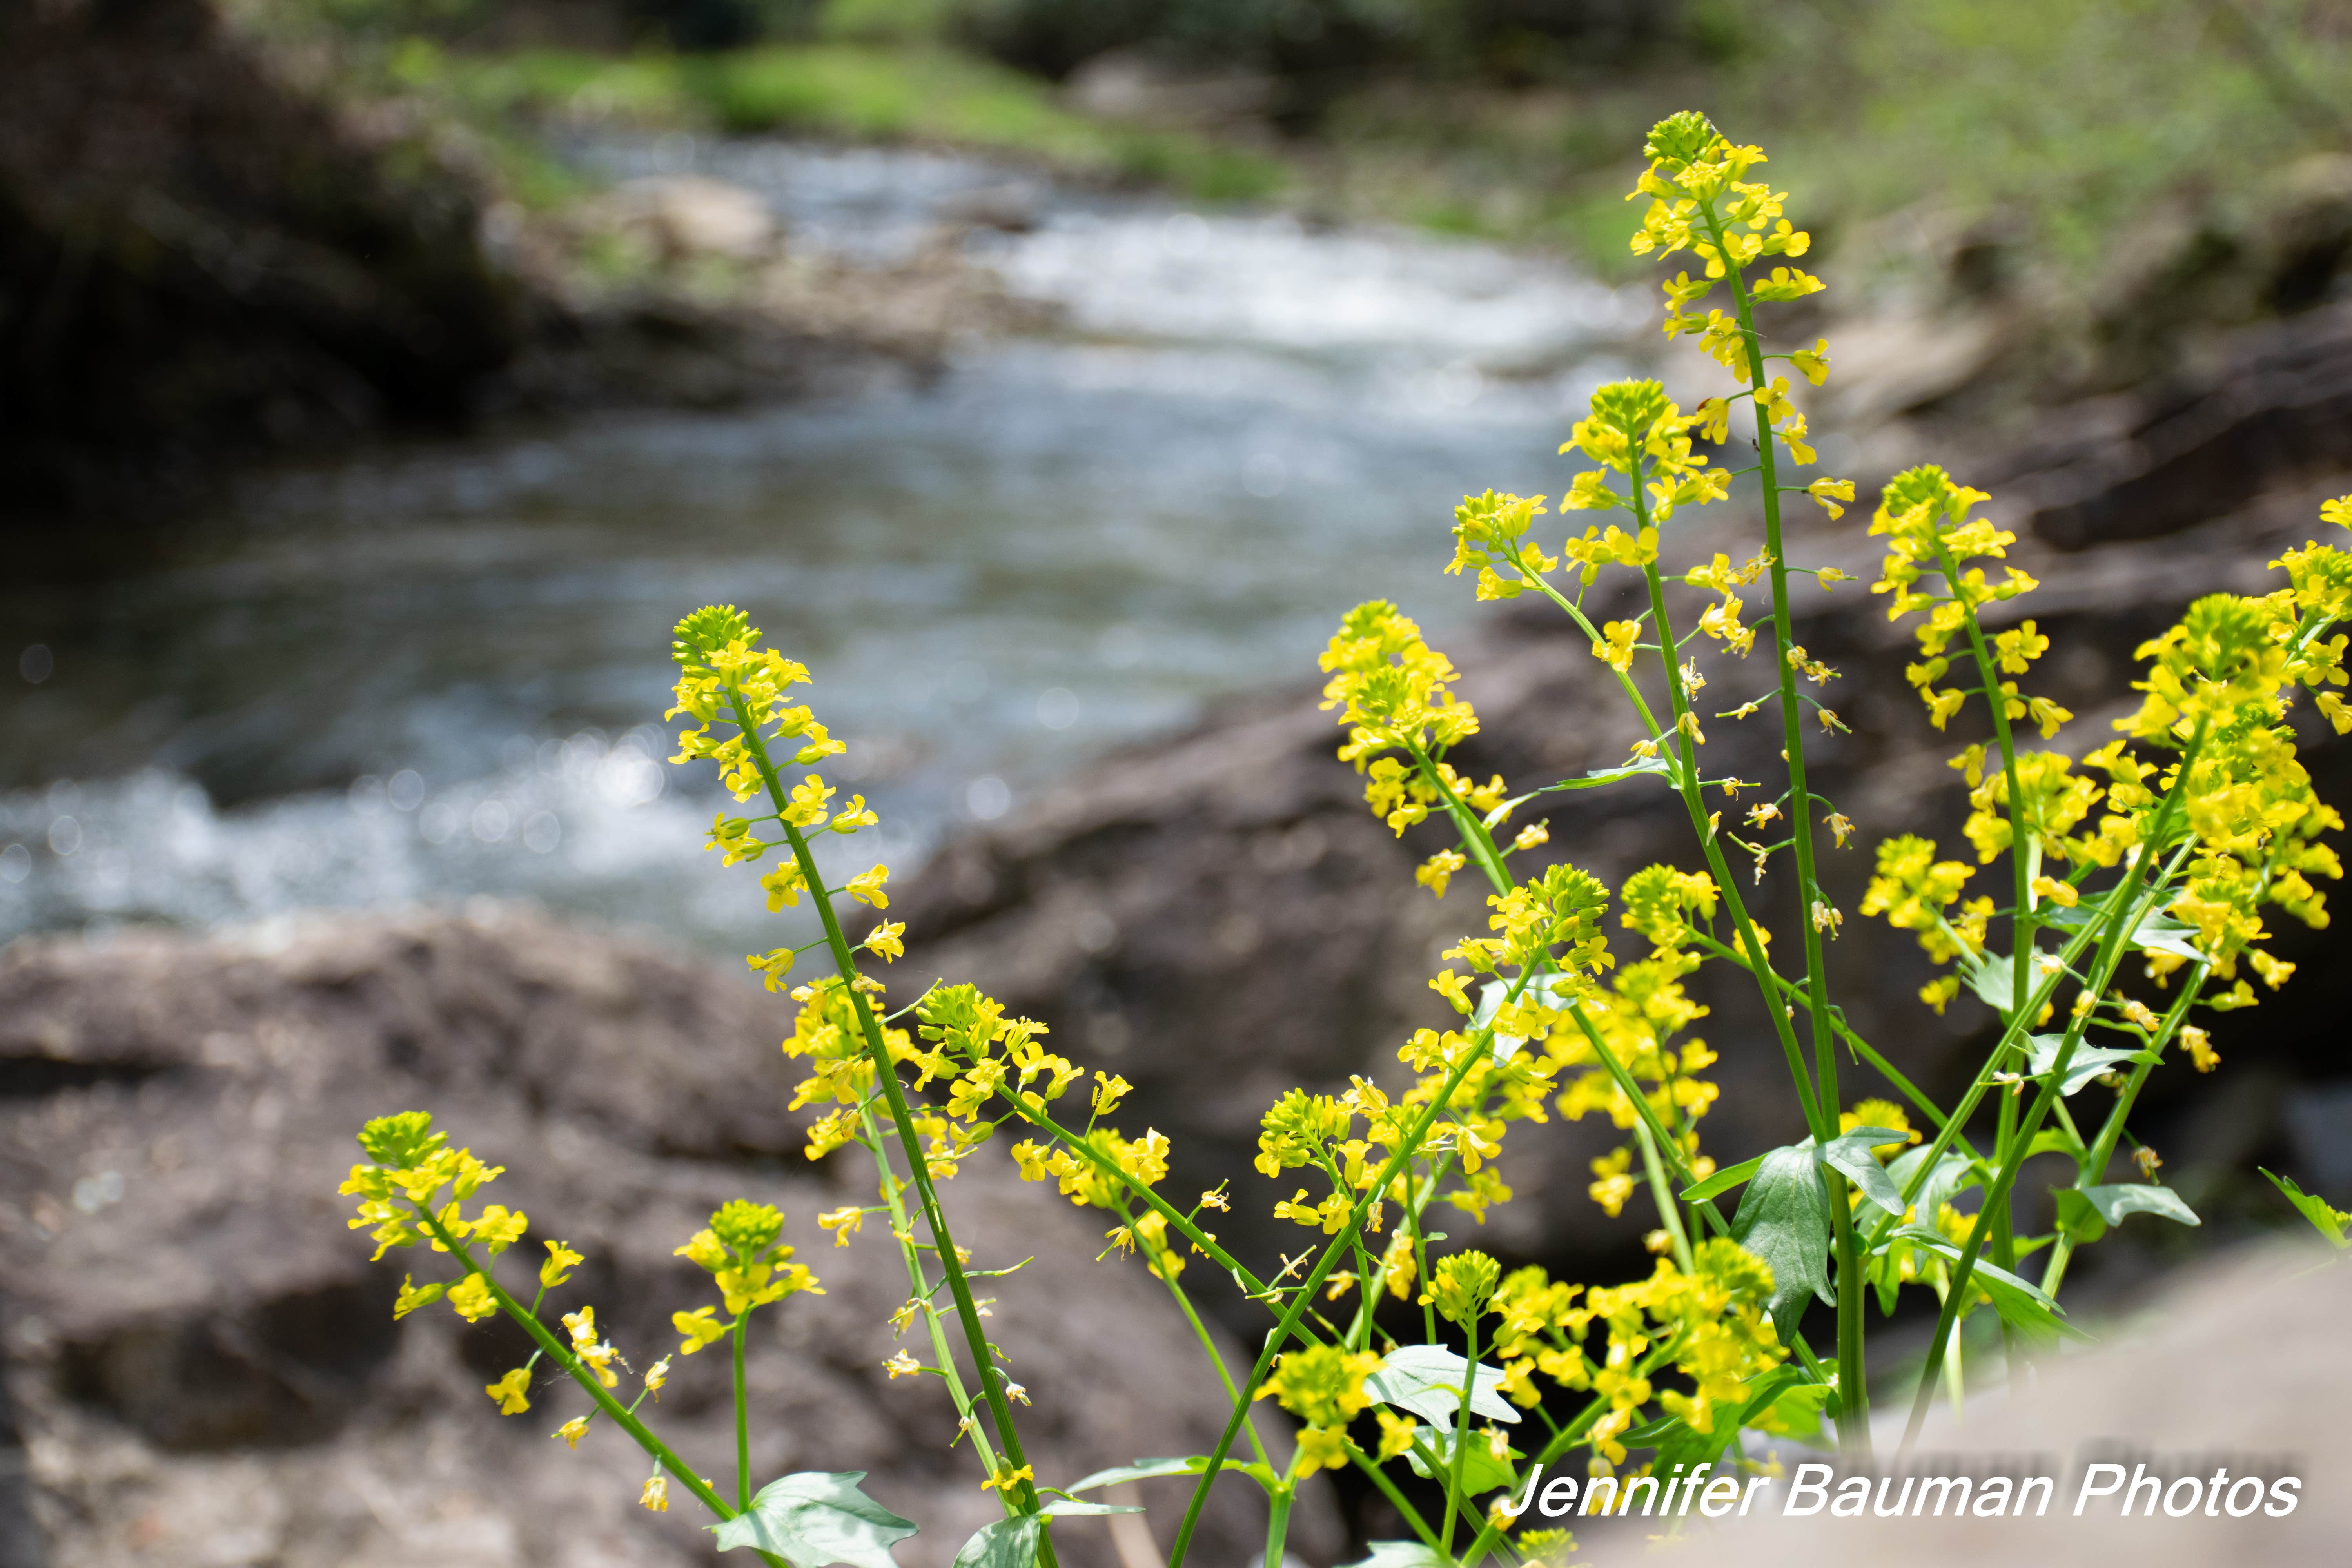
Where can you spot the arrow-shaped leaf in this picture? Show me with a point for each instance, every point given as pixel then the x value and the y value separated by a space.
pixel 814 1518
pixel 1598 776
pixel 1723 1181
pixel 1009 1543
pixel 1145 1469
pixel 2326 1219
pixel 1952 1172
pixel 1784 1219
pixel 2021 1305
pixel 1427 1381
pixel 2157 931
pixel 2088 1062
pixel 1850 1154
pixel 2139 1197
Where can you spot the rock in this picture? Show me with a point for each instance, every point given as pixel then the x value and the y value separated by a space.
pixel 204 1357
pixel 1218 917
pixel 691 214
pixel 2226 1398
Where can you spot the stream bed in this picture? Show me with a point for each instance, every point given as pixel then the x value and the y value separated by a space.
pixel 434 672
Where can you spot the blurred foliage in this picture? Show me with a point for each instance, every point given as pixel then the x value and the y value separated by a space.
pixel 853 91
pixel 2063 121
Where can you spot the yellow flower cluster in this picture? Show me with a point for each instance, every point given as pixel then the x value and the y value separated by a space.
pixel 1709 1325
pixel 1924 516
pixel 411 1164
pixel 726 677
pixel 743 1252
pixel 1323 1387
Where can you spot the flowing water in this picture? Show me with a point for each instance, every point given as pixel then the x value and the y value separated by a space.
pixel 431 673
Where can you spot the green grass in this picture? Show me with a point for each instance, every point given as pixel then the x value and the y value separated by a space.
pixel 846 91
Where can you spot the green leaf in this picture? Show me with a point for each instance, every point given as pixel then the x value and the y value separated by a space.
pixel 2326 1219
pixel 1952 1172
pixel 1798 1410
pixel 1990 978
pixel 1399 1554
pixel 2158 930
pixel 1784 1219
pixel 1001 1543
pixel 1723 1181
pixel 1481 1471
pixel 2021 1305
pixel 1503 810
pixel 2087 1062
pixel 814 1518
pixel 1427 1381
pixel 1145 1469
pixel 1850 1154
pixel 1598 777
pixel 2058 1140
pixel 2087 1212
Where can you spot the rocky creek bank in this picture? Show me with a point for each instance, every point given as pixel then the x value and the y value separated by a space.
pixel 205 1363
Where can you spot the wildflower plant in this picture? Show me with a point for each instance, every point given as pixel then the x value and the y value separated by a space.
pixel 2170 846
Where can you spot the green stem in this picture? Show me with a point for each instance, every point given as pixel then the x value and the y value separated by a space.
pixel 1461 1438
pixel 1853 1422
pixel 1479 1045
pixel 919 1290
pixel 1277 1525
pixel 561 1355
pixel 992 1381
pixel 2126 913
pixel 742 1420
pixel 1405 1510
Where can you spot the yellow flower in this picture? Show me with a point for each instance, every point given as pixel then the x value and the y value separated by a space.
pixel 699 1327
pixel 656 1495
pixel 561 1261
pixel 866 887
pixel 1829 493
pixel 809 802
pixel 772 966
pixel 1396 1434
pixel 1006 1480
pixel 2201 1048
pixel 509 1392
pixel 857 815
pixel 901 1365
pixel 498 1229
pixel 471 1297
pixel 1615 647
pixel 571 1430
pixel 785 886
pixel 885 940
pixel 845 1223
pixel 1438 870
pixel 411 1296
pixel 656 1375
pixel 1452 987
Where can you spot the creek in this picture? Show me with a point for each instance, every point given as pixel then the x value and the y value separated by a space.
pixel 427 673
